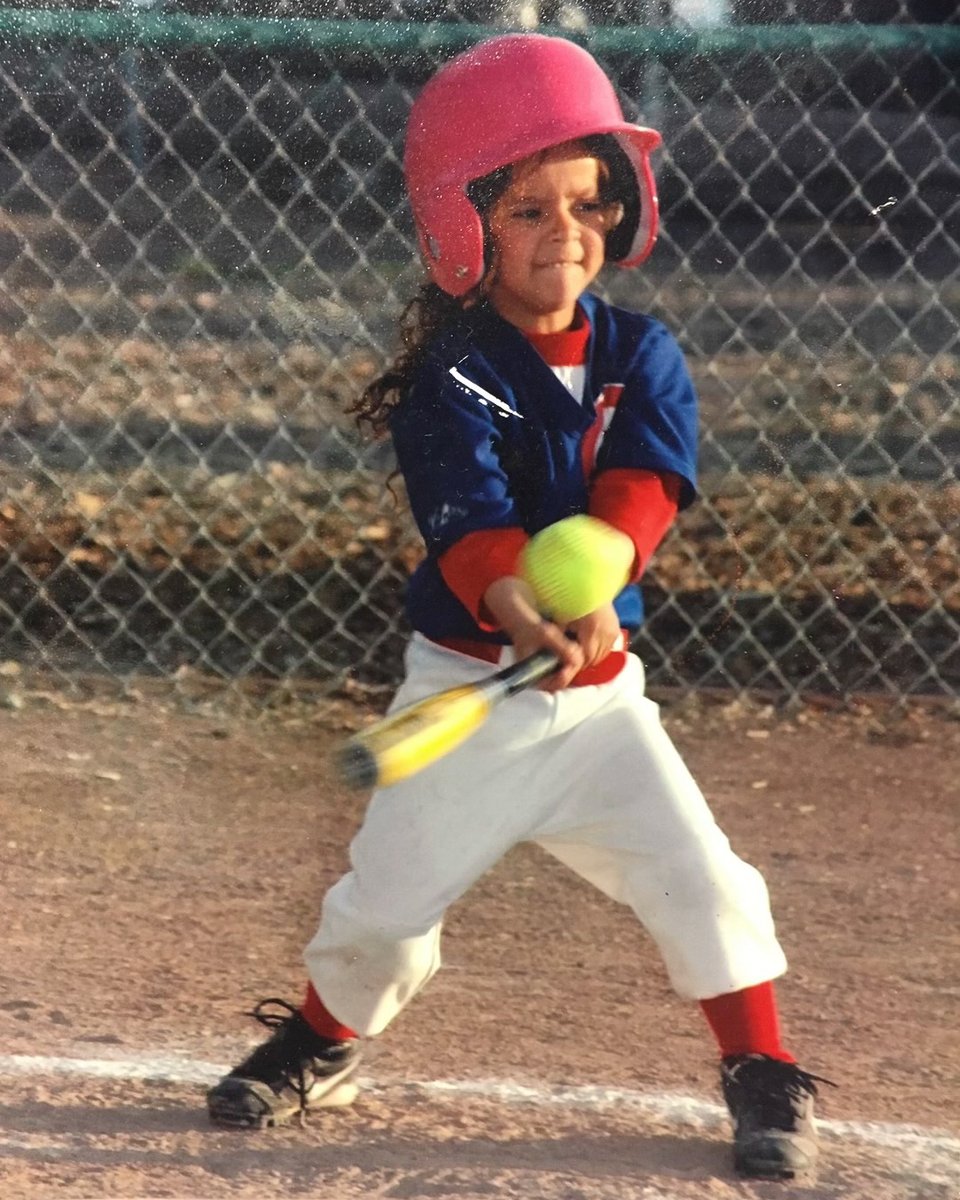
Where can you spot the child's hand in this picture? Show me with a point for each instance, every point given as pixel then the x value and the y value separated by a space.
pixel 512 604
pixel 598 633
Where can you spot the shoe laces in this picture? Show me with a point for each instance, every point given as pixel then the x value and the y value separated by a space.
pixel 772 1089
pixel 273 1020
pixel 293 1054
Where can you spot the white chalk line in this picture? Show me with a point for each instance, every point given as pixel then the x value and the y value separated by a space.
pixel 671 1108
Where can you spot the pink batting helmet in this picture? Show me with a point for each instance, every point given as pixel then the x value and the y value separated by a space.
pixel 493 105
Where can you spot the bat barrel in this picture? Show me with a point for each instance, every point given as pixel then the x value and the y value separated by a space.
pixel 411 738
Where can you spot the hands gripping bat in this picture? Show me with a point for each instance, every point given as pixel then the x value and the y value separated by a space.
pixel 415 736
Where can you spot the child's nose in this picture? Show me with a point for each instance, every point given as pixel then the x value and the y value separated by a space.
pixel 565 223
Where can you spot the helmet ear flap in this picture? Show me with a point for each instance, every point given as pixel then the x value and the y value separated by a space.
pixel 450 233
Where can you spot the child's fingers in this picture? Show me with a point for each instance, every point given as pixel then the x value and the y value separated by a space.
pixel 598 634
pixel 569 652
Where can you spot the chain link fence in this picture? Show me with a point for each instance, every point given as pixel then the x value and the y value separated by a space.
pixel 204 246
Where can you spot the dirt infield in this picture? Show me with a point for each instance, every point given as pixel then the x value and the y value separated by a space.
pixel 161 872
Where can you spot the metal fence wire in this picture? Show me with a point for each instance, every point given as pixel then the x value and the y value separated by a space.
pixel 204 246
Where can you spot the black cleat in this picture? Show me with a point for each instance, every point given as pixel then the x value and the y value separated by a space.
pixel 293 1070
pixel 771 1103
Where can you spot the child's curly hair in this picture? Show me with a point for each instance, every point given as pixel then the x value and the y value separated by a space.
pixel 430 310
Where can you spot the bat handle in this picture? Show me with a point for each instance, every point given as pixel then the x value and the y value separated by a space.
pixel 521 674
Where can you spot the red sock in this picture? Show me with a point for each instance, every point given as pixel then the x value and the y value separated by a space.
pixel 320 1021
pixel 746 1022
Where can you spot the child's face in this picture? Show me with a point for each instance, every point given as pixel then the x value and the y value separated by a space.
pixel 548 230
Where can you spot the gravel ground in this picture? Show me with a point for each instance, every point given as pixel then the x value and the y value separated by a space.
pixel 160 873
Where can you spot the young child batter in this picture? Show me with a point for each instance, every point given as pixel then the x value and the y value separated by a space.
pixel 520 399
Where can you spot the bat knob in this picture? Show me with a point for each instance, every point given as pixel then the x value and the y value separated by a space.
pixel 357 766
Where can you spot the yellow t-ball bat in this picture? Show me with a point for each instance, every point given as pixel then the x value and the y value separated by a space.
pixel 410 739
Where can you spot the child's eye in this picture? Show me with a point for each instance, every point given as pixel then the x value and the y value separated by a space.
pixel 532 213
pixel 591 208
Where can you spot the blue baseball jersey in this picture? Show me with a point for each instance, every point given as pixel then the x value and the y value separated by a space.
pixel 489 438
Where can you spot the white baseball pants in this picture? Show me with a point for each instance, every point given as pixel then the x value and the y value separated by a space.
pixel 590 775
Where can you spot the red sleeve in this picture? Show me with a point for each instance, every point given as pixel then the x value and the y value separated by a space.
pixel 641 504
pixel 477 560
